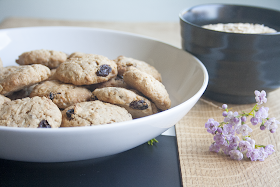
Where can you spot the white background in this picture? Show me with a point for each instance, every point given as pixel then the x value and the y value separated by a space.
pixel 111 10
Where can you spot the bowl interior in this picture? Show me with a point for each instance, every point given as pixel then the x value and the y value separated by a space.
pixel 184 77
pixel 226 13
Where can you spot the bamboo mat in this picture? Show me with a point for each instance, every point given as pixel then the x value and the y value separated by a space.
pixel 199 167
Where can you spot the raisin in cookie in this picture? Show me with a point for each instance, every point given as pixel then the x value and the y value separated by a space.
pixel 36 112
pixel 124 62
pixel 14 78
pixel 135 104
pixel 93 113
pixel 89 69
pixel 63 95
pixel 25 92
pixel 4 99
pixel 49 58
pixel 149 86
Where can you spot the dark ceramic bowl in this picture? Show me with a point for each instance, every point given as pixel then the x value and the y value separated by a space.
pixel 238 64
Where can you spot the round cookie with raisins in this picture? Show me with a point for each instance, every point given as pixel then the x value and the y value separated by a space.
pixel 62 94
pixel 49 58
pixel 93 113
pixel 86 70
pixel 135 104
pixel 124 63
pixel 148 86
pixel 36 112
pixel 15 78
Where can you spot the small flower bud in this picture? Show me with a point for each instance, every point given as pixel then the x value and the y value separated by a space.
pixel 225 113
pixel 219 130
pixel 262 127
pixel 224 106
pixel 243 118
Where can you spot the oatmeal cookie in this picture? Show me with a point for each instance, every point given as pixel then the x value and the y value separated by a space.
pixel 14 78
pixel 124 62
pixel 149 86
pixel 93 113
pixel 49 58
pixel 63 95
pixel 4 99
pixel 89 69
pixel 36 112
pixel 135 104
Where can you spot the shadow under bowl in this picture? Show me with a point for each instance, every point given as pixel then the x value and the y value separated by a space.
pixel 238 64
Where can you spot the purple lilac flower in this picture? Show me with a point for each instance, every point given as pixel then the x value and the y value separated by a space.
pixel 251 141
pixel 262 113
pixel 236 155
pixel 230 117
pixel 219 130
pixel 228 131
pixel 233 143
pixel 260 97
pixel 263 154
pixel 214 147
pixel 253 154
pixel 226 149
pixel 211 126
pixel 219 139
pixel 244 129
pixel 244 146
pixel 272 124
pixel 269 149
pixel 255 120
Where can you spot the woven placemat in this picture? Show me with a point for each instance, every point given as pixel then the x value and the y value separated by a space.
pixel 199 166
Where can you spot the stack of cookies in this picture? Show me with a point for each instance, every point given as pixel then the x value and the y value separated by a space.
pixel 50 89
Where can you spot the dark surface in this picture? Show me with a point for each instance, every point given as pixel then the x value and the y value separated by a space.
pixel 144 165
pixel 238 64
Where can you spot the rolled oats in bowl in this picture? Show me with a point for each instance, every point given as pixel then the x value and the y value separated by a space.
pixel 246 28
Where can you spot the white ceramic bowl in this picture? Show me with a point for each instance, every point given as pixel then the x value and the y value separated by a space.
pixel 184 77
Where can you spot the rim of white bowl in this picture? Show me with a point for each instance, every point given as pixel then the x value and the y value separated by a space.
pixel 112 125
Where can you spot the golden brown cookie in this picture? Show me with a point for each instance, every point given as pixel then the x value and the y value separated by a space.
pixel 124 62
pixel 36 112
pixel 149 86
pixel 63 95
pixel 4 99
pixel 49 58
pixel 93 113
pixel 14 78
pixel 135 104
pixel 89 69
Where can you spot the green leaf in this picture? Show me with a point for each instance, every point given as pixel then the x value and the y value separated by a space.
pixel 152 141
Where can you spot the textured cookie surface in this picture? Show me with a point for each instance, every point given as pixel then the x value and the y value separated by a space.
pixel 63 95
pixel 89 69
pixel 93 113
pixel 149 86
pixel 30 113
pixel 49 58
pixel 4 99
pixel 135 104
pixel 14 78
pixel 25 92
pixel 114 82
pixel 124 62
